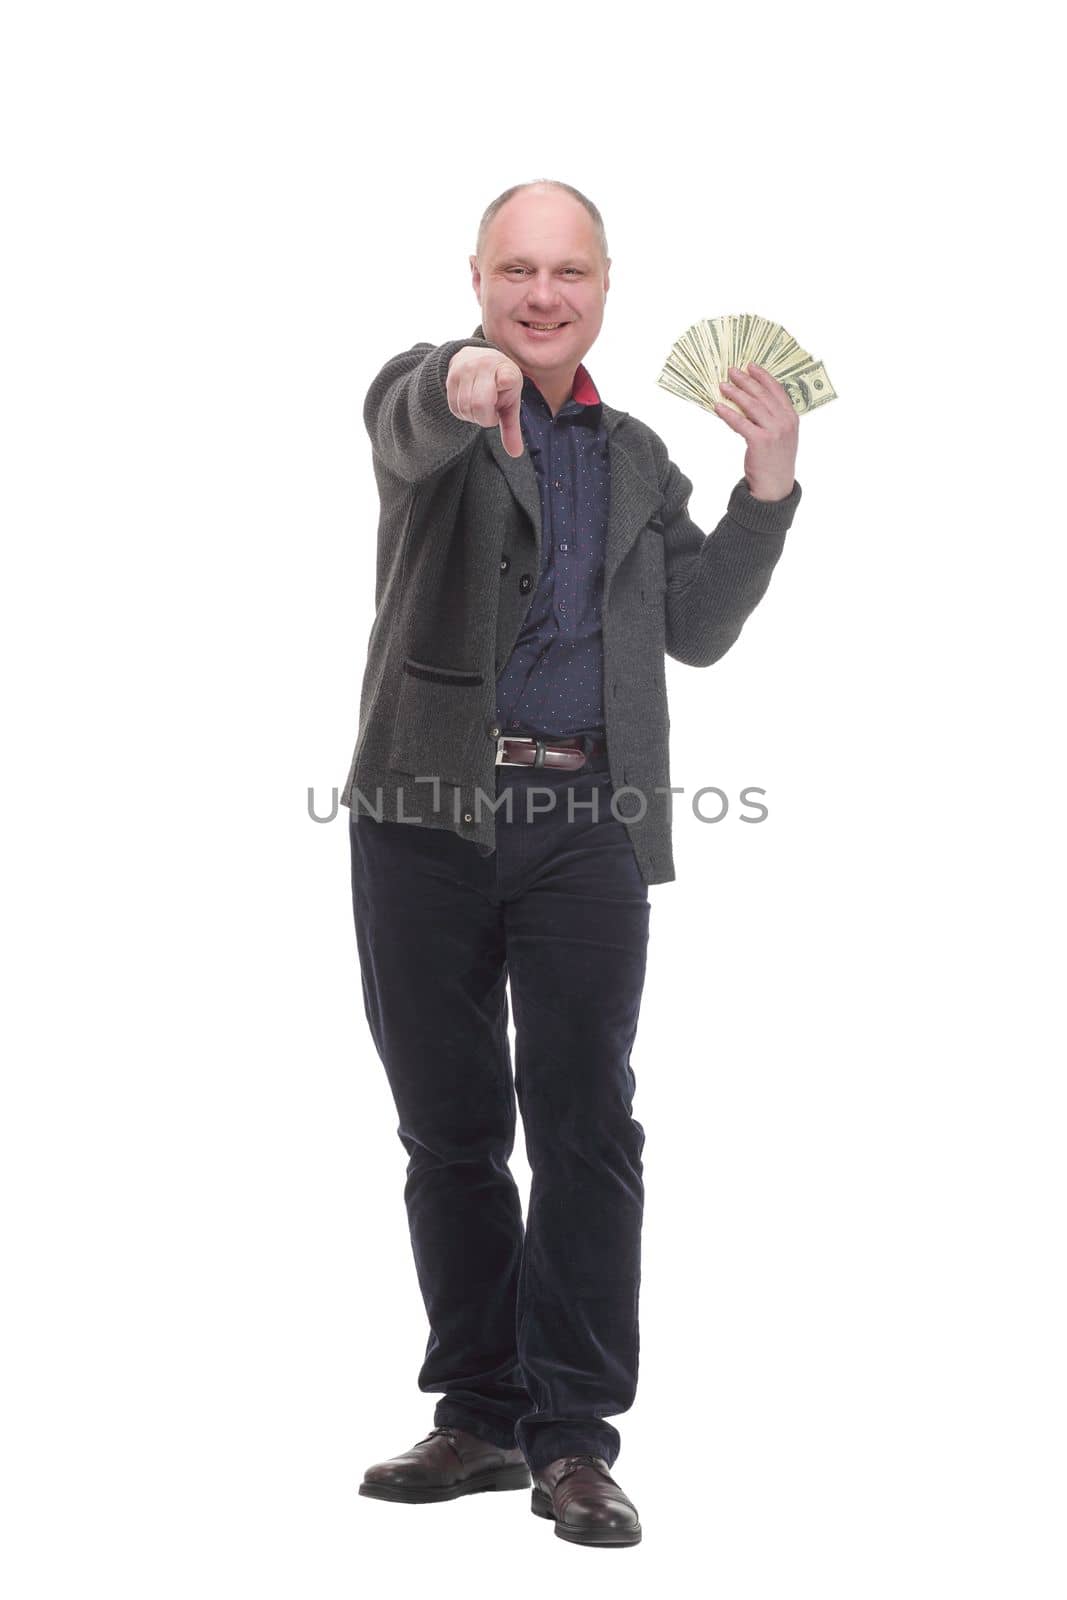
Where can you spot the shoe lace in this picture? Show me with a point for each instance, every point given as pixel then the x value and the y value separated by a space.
pixel 448 1432
pixel 574 1462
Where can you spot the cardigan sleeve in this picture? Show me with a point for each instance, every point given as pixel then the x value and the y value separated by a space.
pixel 716 580
pixel 406 413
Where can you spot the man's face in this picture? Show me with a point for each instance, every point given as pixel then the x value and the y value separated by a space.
pixel 541 262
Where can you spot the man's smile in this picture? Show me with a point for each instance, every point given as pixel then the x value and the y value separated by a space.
pixel 543 330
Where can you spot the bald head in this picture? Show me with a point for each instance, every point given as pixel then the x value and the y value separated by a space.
pixel 554 201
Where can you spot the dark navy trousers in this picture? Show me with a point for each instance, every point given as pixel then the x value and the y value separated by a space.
pixel 533 1329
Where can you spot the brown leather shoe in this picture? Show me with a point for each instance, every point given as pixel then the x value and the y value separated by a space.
pixel 448 1462
pixel 579 1494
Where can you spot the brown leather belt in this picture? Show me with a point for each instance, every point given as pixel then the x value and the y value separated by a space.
pixel 522 750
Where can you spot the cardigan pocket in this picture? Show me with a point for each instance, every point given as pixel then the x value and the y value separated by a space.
pixel 456 675
pixel 437 717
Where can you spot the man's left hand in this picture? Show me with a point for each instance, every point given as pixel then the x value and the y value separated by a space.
pixel 771 425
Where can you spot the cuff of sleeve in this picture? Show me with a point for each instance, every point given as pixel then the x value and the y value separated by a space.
pixel 762 516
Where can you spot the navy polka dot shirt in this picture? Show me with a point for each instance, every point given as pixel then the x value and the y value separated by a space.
pixel 554 682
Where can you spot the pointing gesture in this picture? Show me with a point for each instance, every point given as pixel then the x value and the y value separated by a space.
pixel 485 386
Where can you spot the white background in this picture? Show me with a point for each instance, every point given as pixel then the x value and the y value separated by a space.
pixel 221 220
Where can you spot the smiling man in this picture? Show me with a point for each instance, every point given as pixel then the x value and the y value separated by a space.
pixel 509 802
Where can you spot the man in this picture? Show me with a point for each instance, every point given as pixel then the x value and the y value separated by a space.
pixel 535 563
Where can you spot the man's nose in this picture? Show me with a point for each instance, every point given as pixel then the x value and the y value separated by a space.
pixel 543 291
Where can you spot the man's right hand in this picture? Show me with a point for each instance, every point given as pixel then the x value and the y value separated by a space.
pixel 485 386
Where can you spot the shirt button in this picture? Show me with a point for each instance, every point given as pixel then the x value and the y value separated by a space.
pixel 563 605
pixel 494 731
pixel 468 816
pixel 563 547
pixel 504 563
pixel 525 581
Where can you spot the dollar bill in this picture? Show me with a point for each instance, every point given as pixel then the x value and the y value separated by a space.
pixel 698 362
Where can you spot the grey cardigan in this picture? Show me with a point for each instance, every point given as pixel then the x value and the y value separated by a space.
pixel 453 503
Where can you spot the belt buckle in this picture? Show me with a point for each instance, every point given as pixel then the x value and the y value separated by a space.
pixel 517 738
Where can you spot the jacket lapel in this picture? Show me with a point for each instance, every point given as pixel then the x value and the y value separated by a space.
pixel 634 499
pixel 522 480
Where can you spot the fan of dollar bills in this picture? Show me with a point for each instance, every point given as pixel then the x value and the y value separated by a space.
pixel 699 361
